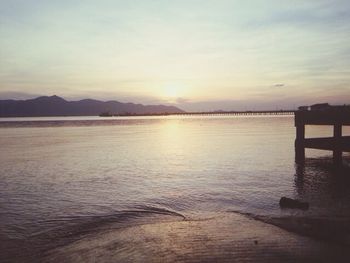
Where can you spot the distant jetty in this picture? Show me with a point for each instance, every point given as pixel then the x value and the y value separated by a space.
pixel 204 113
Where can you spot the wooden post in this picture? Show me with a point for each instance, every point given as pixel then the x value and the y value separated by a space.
pixel 337 152
pixel 299 143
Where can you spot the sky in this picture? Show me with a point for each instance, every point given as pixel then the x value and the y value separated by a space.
pixel 195 54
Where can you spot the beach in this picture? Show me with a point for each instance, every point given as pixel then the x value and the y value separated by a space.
pixel 226 237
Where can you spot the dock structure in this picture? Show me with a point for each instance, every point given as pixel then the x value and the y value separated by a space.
pixel 237 113
pixel 204 113
pixel 322 114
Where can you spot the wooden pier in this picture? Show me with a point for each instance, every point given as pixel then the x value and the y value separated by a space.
pixel 322 114
pixel 238 113
pixel 203 113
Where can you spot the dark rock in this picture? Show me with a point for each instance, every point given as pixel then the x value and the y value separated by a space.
pixel 286 202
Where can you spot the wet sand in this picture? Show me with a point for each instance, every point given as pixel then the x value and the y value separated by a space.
pixel 226 237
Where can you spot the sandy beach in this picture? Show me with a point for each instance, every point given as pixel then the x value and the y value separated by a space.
pixel 226 237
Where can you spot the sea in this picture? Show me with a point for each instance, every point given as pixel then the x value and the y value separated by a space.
pixel 64 177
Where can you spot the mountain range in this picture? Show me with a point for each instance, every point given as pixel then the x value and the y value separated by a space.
pixel 57 106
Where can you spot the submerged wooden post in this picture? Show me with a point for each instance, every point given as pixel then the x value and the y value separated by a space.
pixel 337 152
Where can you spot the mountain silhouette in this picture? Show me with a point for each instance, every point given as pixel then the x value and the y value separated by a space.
pixel 57 106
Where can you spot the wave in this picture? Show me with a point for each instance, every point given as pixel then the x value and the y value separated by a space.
pixel 61 231
pixel 80 225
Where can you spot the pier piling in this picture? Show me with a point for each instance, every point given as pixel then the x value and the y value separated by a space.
pixel 322 114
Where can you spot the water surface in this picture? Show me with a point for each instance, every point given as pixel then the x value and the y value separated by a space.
pixel 61 177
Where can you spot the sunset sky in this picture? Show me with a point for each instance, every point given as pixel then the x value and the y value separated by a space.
pixel 197 54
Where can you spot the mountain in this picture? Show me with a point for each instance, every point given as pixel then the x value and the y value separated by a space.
pixel 57 106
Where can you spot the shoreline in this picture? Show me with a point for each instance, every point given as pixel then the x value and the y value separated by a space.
pixel 335 230
pixel 227 237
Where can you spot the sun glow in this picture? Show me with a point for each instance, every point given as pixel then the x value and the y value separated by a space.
pixel 173 91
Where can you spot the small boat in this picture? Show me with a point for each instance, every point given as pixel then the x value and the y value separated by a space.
pixel 105 114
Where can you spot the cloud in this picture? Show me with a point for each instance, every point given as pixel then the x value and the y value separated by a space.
pixel 182 100
pixel 320 15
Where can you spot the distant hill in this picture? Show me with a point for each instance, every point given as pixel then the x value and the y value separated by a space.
pixel 57 106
